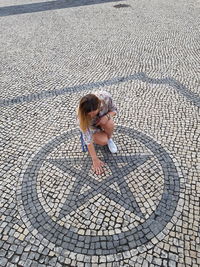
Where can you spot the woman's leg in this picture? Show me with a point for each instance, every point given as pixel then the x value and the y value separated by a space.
pixel 100 138
pixel 108 128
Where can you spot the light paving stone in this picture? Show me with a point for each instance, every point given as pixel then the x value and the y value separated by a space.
pixel 172 263
pixel 145 209
pixel 4 262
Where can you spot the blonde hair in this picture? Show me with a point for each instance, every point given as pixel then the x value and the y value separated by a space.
pixel 87 104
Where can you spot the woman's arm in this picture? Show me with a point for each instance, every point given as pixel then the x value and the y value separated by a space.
pixel 111 113
pixel 97 164
pixel 103 120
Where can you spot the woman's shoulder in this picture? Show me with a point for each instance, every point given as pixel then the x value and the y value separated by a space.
pixel 103 94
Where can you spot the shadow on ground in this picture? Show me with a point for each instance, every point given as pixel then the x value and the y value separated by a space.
pixel 50 5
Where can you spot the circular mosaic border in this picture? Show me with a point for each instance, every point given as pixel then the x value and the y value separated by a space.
pixel 40 222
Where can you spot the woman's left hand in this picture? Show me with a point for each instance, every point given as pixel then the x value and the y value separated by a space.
pixel 102 121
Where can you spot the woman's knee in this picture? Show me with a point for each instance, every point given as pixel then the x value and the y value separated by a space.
pixel 103 142
pixel 100 139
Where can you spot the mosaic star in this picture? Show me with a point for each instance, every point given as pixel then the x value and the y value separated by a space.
pixel 120 168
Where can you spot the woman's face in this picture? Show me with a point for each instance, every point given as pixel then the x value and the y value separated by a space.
pixel 93 113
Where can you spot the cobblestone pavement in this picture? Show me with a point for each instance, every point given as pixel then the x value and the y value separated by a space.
pixel 145 209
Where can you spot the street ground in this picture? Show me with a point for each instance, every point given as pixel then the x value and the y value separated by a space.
pixel 145 209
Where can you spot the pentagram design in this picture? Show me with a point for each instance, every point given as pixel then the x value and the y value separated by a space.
pixel 115 187
pixel 124 198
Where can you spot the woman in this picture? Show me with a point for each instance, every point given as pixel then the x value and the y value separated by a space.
pixel 95 114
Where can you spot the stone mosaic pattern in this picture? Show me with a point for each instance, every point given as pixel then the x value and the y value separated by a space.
pixel 145 209
pixel 83 195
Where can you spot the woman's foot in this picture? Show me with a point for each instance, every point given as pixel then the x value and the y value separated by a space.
pixel 111 145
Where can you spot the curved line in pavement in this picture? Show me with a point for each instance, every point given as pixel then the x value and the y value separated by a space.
pixel 180 88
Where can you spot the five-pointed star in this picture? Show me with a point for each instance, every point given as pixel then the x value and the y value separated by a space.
pixel 125 198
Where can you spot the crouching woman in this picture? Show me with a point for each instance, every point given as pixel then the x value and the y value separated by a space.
pixel 95 116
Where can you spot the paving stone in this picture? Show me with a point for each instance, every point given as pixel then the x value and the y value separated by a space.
pixel 2 253
pixel 15 259
pixel 4 262
pixel 172 263
pixel 28 262
pixel 144 210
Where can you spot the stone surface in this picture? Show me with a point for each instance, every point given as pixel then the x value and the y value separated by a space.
pixel 144 210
